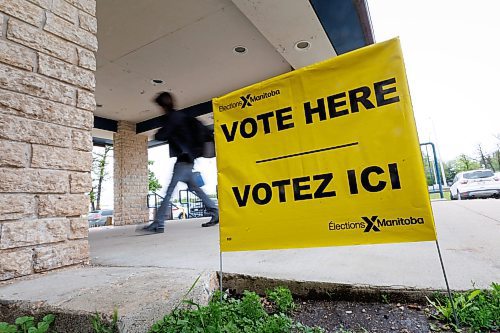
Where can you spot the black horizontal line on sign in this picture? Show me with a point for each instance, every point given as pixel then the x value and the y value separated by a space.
pixel 308 152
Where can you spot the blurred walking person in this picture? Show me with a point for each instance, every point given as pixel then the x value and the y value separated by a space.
pixel 186 137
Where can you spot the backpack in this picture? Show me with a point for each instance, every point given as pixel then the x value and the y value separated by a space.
pixel 203 138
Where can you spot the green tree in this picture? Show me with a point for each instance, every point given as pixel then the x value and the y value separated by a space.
pixel 99 175
pixel 486 159
pixel 429 170
pixel 496 158
pixel 461 163
pixel 465 163
pixel 154 184
pixel 450 171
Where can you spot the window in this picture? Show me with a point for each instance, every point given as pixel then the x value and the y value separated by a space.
pixel 478 174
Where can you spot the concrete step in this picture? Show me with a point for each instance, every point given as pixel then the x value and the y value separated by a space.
pixel 141 295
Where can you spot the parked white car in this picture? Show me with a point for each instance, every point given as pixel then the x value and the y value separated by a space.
pixel 482 183
pixel 98 218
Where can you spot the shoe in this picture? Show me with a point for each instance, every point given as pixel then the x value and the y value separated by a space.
pixel 213 221
pixel 151 226
pixel 149 230
pixel 154 227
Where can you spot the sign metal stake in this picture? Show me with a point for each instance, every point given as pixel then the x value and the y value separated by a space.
pixel 220 275
pixel 447 285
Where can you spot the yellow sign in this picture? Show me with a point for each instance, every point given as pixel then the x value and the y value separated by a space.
pixel 322 156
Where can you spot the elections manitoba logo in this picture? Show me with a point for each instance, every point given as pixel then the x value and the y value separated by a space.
pixel 248 100
pixel 375 224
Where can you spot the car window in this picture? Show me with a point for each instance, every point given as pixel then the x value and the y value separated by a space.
pixel 478 174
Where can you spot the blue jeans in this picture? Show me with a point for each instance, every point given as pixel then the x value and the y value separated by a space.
pixel 183 172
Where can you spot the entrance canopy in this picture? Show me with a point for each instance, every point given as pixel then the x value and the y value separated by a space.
pixel 203 49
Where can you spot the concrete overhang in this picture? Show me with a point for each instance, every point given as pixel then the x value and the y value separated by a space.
pixel 190 46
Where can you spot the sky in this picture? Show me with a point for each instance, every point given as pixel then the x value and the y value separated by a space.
pixel 452 59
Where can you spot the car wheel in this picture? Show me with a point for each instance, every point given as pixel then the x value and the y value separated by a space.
pixel 452 197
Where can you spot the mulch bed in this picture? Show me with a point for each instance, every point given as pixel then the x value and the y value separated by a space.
pixel 336 316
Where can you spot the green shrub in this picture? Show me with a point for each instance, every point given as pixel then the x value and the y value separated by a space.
pixel 28 325
pixel 282 298
pixel 477 309
pixel 99 325
pixel 231 316
pixel 251 306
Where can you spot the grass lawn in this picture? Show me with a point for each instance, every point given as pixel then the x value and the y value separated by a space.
pixel 437 196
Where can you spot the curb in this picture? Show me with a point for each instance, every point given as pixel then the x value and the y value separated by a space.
pixel 237 283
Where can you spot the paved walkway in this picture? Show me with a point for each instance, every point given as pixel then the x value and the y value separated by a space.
pixel 146 276
pixel 468 232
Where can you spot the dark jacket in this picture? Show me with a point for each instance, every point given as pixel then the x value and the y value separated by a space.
pixel 177 130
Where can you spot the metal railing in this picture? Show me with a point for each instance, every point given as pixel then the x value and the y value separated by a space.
pixel 188 200
pixel 195 207
pixel 434 169
pixel 154 201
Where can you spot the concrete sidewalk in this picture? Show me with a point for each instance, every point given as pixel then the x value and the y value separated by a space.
pixel 144 277
pixel 468 232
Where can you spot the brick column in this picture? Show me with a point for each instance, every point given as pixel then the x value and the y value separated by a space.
pixel 130 177
pixel 47 65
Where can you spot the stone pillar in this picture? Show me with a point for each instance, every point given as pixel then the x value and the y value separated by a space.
pixel 130 177
pixel 47 65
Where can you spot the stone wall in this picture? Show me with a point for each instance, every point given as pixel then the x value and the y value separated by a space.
pixel 47 83
pixel 130 153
